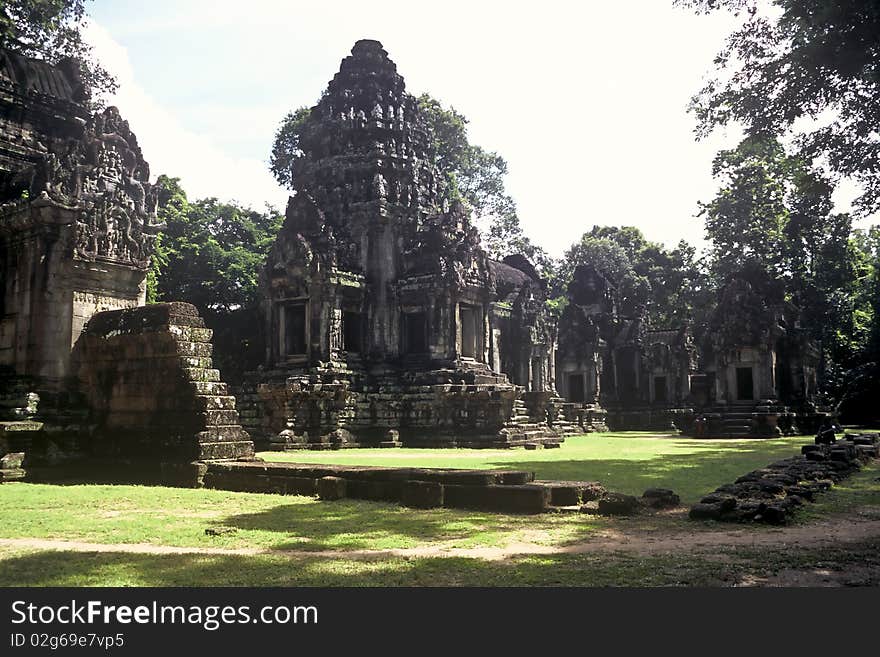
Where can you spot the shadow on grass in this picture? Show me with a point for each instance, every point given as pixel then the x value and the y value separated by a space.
pixel 54 568
pixel 352 524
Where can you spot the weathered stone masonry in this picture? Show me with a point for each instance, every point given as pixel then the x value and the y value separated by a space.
pixel 385 319
pixel 146 374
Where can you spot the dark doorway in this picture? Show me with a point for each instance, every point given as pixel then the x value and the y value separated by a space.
pixel 576 388
pixel 415 333
pixel 745 385
pixel 660 389
pixel 295 329
pixel 351 332
pixel 468 318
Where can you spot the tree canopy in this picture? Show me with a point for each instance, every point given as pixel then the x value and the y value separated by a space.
pixel 805 68
pixel 210 253
pixel 664 284
pixel 51 30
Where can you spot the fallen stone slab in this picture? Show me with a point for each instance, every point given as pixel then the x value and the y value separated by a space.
pixel 660 498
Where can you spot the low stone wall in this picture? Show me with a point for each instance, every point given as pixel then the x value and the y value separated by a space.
pixel 147 376
pixel 510 491
pixel 771 494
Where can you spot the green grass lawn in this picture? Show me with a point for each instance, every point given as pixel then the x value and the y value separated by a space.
pixel 625 462
pixel 179 517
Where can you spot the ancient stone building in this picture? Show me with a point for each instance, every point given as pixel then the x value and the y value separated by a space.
pixel 760 367
pixel 753 374
pixel 77 230
pixel 384 316
pixel 612 368
pixel 77 216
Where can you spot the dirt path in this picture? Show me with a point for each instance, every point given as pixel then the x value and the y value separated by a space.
pixel 833 532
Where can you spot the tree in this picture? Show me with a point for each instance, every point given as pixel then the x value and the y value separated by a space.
pixel 210 253
pixel 51 30
pixel 805 68
pixel 472 174
pixel 667 286
pixel 776 214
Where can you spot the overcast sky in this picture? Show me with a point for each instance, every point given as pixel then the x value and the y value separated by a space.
pixel 585 100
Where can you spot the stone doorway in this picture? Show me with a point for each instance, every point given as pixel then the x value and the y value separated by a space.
pixel 576 392
pixel 415 333
pixel 660 394
pixel 745 384
pixel 295 329
pixel 468 318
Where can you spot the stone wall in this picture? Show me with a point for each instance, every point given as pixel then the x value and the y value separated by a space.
pixel 153 394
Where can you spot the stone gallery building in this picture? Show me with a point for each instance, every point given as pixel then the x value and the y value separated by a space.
pixel 753 374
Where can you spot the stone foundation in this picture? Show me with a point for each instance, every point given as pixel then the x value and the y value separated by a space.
pixel 510 491
pixel 441 408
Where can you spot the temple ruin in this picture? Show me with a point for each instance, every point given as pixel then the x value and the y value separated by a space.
pixel 386 321
pixel 78 359
pixel 753 373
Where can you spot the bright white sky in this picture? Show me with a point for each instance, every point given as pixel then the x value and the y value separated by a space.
pixel 585 100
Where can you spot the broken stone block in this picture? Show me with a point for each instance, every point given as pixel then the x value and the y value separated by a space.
pixel 12 460
pixel 660 498
pixel 331 488
pixel 706 511
pixel 618 504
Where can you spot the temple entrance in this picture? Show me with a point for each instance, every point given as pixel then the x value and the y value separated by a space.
pixel 468 319
pixel 660 389
pixel 576 392
pixel 745 385
pixel 351 332
pixel 415 333
pixel 294 329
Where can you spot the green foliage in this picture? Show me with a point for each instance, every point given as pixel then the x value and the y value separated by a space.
pixel 285 148
pixel 775 212
pixel 806 68
pixel 51 30
pixel 669 285
pixel 210 253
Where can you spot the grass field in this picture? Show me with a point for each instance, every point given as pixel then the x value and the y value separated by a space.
pixel 265 540
pixel 625 462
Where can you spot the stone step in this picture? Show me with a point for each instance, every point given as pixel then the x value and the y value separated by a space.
pixel 225 450
pixel 215 402
pixel 202 374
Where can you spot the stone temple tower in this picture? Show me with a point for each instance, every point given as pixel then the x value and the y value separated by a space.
pixel 377 294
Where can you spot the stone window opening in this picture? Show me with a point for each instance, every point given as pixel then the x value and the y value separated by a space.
pixel 294 329
pixel 415 333
pixel 351 332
